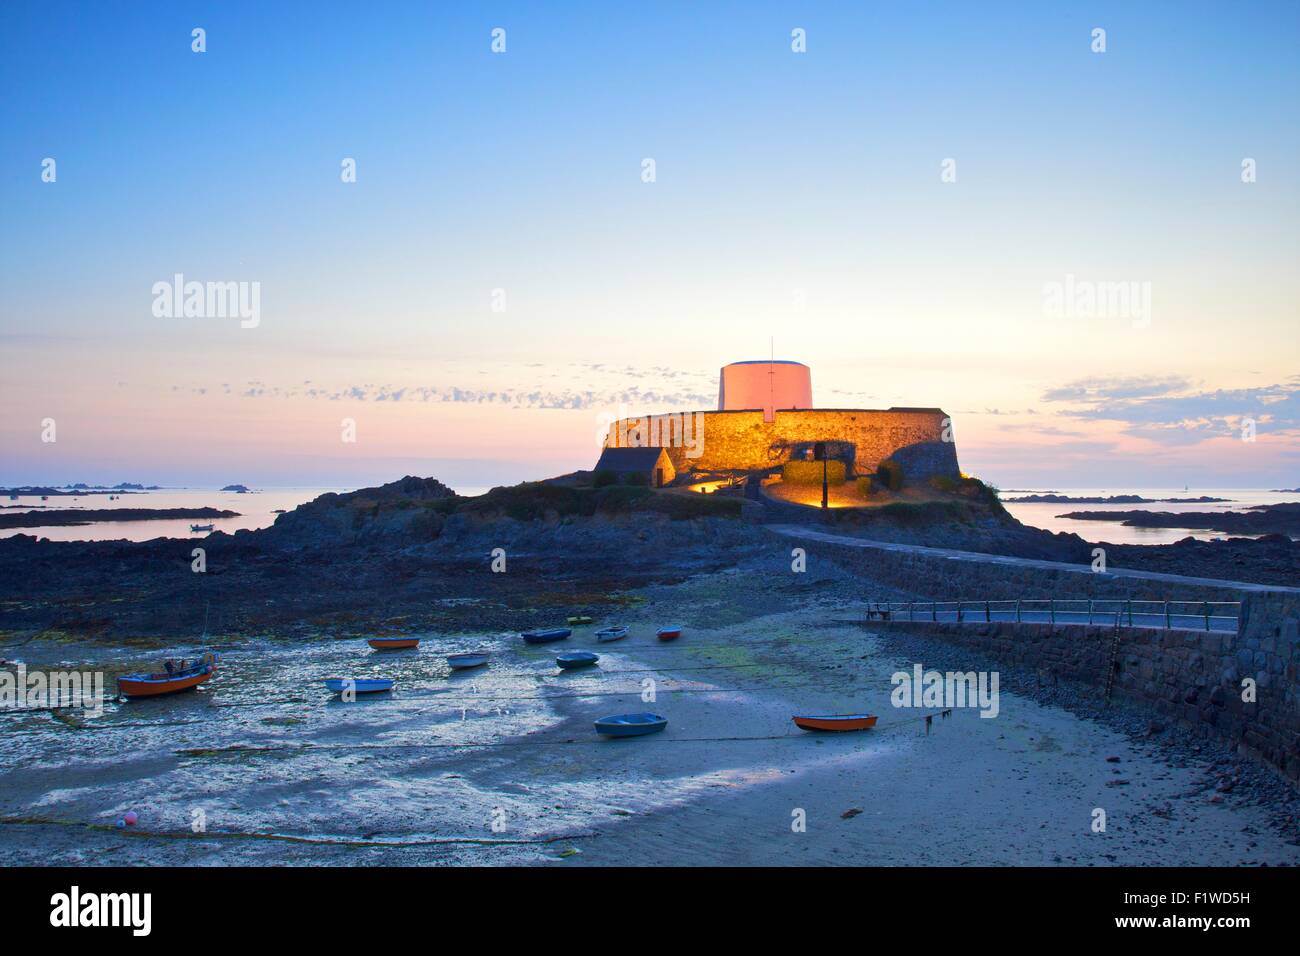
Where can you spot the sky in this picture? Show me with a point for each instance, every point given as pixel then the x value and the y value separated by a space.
pixel 1087 257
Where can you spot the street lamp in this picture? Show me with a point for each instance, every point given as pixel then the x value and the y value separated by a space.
pixel 819 451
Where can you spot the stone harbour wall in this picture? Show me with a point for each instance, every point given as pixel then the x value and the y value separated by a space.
pixel 1192 677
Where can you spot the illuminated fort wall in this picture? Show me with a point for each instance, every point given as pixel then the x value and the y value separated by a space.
pixel 743 441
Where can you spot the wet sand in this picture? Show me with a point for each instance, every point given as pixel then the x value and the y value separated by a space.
pixel 502 765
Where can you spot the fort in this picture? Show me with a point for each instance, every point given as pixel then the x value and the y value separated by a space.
pixel 765 418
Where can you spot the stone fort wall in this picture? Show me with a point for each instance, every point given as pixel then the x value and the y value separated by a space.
pixel 743 441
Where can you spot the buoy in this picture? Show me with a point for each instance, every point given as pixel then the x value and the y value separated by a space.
pixel 130 818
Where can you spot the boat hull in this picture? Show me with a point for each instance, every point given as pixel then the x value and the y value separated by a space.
pixel 630 725
pixel 136 685
pixel 463 662
pixel 365 686
pixel 611 634
pixel 393 643
pixel 669 633
pixel 836 722
pixel 545 637
pixel 576 660
pixel 580 619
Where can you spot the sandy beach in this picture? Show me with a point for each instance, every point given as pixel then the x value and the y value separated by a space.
pixel 501 766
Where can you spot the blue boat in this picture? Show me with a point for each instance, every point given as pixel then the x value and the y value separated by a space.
pixel 615 632
pixel 460 662
pixel 631 725
pixel 546 635
pixel 572 659
pixel 361 685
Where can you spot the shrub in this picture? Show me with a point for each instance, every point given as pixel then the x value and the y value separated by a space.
pixel 866 485
pixel 637 478
pixel 890 474
pixel 810 472
pixel 684 507
pixel 604 478
pixel 945 484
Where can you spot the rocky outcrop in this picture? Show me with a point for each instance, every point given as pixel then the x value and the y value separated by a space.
pixel 1261 519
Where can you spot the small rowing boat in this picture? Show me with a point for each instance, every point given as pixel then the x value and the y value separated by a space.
pixel 202 527
pixel 836 721
pixel 547 634
pixel 579 619
pixel 631 725
pixel 372 685
pixel 571 659
pixel 612 633
pixel 669 633
pixel 461 662
pixel 393 643
pixel 168 682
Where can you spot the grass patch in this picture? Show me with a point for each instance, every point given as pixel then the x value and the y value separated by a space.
pixel 532 501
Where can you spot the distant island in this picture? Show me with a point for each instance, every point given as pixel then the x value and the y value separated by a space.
pixel 1261 519
pixel 70 517
pixel 238 489
pixel 120 486
pixel 80 488
pixel 1115 500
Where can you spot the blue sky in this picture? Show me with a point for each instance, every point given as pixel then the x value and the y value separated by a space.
pixel 797 197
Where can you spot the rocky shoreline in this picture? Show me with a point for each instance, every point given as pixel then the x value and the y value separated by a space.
pixel 395 556
pixel 1279 519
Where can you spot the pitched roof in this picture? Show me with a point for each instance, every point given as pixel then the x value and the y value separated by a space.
pixel 629 459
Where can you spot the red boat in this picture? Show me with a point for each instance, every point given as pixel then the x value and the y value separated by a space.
pixel 155 685
pixel 836 722
pixel 669 633
pixel 393 643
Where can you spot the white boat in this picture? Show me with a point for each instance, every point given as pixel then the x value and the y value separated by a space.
pixel 461 662
pixel 615 632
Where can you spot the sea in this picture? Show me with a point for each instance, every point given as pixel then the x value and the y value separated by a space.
pixel 259 508
pixel 256 508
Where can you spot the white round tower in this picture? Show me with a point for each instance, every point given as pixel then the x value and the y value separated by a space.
pixel 747 386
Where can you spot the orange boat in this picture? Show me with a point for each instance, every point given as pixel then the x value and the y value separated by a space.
pixel 669 633
pixel 393 643
pixel 155 685
pixel 836 722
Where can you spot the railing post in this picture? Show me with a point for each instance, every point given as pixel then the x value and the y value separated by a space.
pixel 1051 610
pixel 1130 612
pixel 911 608
pixel 1090 613
pixel 934 611
pixel 988 616
pixel 1206 607
pixel 1017 610
pixel 1168 620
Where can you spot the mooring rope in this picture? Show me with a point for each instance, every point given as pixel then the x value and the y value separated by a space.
pixel 293 838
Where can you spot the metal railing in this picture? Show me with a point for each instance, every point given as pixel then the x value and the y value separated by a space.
pixel 1219 616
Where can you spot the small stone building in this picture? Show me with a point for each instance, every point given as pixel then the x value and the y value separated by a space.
pixel 652 464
